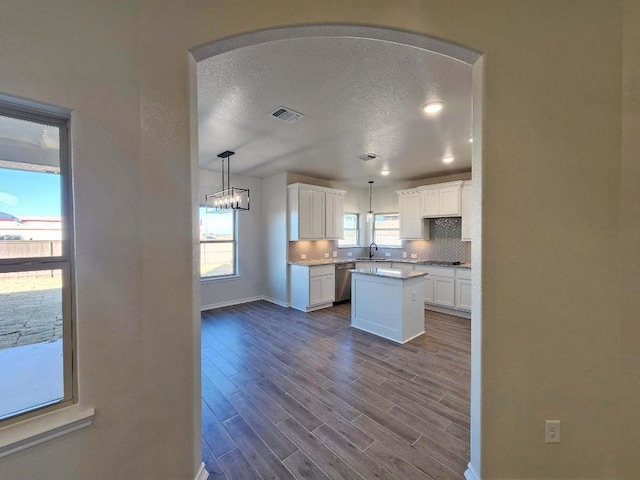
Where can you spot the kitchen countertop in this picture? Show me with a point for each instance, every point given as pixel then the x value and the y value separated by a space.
pixel 388 273
pixel 335 261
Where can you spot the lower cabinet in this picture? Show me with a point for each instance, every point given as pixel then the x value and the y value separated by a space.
pixel 463 289
pixel 447 287
pixel 312 287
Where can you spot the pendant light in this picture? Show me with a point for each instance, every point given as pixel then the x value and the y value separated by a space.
pixel 370 212
pixel 229 198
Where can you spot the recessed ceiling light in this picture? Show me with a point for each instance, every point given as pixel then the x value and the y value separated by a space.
pixel 448 159
pixel 470 139
pixel 384 172
pixel 433 107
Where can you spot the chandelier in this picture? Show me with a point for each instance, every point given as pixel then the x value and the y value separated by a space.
pixel 229 198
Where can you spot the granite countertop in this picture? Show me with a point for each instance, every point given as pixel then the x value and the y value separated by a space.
pixel 335 261
pixel 324 261
pixel 388 273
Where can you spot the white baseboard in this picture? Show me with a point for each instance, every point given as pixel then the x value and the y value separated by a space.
pixel 275 301
pixel 448 311
pixel 470 473
pixel 202 473
pixel 229 303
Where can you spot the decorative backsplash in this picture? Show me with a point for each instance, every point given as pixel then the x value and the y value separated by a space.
pixel 444 245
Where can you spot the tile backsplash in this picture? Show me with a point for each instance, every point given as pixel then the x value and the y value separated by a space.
pixel 444 245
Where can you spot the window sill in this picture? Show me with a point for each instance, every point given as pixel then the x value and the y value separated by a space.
pixel 219 279
pixel 22 435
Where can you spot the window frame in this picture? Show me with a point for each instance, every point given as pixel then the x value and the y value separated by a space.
pixel 357 230
pixel 374 229
pixel 65 262
pixel 234 242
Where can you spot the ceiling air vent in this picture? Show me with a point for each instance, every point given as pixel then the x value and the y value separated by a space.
pixel 286 115
pixel 368 156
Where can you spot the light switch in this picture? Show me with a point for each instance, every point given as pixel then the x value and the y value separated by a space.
pixel 303 256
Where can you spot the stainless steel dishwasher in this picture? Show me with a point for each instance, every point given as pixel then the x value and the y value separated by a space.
pixel 343 281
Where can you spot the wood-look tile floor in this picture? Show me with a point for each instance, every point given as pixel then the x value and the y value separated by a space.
pixel 292 395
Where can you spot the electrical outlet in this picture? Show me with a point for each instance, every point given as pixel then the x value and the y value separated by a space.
pixel 387 254
pixel 303 256
pixel 552 431
pixel 404 254
pixel 414 255
pixel 349 254
pixel 326 255
pixel 335 254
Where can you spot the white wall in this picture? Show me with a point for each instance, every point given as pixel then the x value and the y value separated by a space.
pixel 274 199
pixel 249 283
pixel 552 312
pixel 84 57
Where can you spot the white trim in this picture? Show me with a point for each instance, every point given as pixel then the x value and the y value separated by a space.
pixel 230 303
pixel 202 473
pixel 276 301
pixel 423 42
pixel 470 473
pixel 22 435
pixel 221 278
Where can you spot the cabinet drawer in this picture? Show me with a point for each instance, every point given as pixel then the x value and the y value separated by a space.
pixel 322 270
pixel 463 273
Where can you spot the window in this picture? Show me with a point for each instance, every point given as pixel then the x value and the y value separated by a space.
pixel 386 229
pixel 217 243
pixel 36 263
pixel 351 226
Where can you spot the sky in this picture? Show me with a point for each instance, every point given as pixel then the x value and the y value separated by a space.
pixel 216 223
pixel 29 193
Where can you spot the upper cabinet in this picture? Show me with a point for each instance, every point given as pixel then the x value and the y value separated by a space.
pixel 315 213
pixel 429 201
pixel 441 200
pixel 334 215
pixel 411 222
pixel 465 206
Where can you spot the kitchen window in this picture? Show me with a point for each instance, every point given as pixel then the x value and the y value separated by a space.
pixel 217 244
pixel 36 264
pixel 351 229
pixel 386 229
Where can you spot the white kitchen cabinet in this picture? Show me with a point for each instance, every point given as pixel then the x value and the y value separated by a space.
pixel 439 285
pixel 312 287
pixel 441 200
pixel 463 294
pixel 450 200
pixel 334 215
pixel 438 200
pixel 466 196
pixel 430 202
pixel 311 215
pixel 463 289
pixel 411 221
pixel 443 291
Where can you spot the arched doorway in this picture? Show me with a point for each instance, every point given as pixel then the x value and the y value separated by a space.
pixel 456 52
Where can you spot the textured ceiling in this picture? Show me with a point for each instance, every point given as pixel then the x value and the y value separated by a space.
pixel 357 96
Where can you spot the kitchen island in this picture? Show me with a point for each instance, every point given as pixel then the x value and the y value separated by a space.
pixel 388 302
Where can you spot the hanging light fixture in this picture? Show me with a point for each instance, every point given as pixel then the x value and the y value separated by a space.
pixel 229 198
pixel 370 212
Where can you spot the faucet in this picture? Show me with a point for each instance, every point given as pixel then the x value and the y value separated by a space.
pixel 373 244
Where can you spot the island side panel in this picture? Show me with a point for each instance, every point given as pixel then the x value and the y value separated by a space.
pixel 413 308
pixel 376 305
